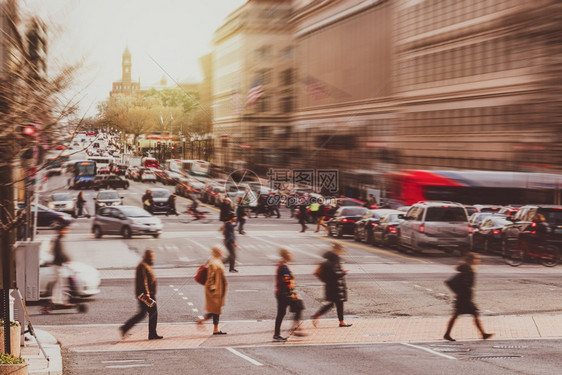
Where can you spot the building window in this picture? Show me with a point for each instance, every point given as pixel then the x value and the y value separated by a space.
pixel 263 105
pixel 263 77
pixel 286 53
pixel 286 77
pixel 287 104
pixel 263 52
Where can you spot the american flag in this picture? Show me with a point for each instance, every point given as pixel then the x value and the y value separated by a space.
pixel 316 88
pixel 254 94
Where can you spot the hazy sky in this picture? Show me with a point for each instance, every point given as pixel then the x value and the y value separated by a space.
pixel 175 33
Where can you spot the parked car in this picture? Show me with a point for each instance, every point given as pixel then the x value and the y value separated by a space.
pixel 487 208
pixel 344 220
pixel 489 234
pixel 433 224
pixel 125 221
pixel 387 232
pixel 160 197
pixel 111 181
pixel 476 218
pixel 107 198
pixel 83 279
pixel 542 239
pixel 364 227
pixel 61 202
pixel 47 218
pixel 147 176
pixel 524 218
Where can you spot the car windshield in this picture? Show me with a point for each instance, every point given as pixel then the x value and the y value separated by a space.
pixel 61 197
pixel 134 212
pixel 353 211
pixel 552 215
pixel 445 214
pixel 500 221
pixel 108 195
pixel 160 193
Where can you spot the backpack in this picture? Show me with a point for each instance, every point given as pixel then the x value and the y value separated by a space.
pixel 201 274
pixel 454 283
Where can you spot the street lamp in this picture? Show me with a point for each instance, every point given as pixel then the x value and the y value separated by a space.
pixel 183 147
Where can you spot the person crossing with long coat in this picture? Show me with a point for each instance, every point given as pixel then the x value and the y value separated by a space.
pixel 331 273
pixel 215 290
pixel 462 284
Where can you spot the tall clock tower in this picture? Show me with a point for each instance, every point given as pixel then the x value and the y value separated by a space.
pixel 126 64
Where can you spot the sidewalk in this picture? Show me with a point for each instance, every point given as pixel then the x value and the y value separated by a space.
pixel 242 333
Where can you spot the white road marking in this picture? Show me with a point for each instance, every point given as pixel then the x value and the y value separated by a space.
pixel 428 350
pixel 199 244
pixel 128 366
pixel 184 259
pixel 251 360
pixel 246 290
pixel 124 361
pixel 171 286
pixel 293 249
pixel 194 310
pixel 190 303
pixel 180 294
pixel 184 297
pixel 176 289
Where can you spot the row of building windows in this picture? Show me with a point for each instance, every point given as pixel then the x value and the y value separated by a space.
pixel 265 104
pixel 490 56
pixel 428 162
pixel 266 52
pixel 472 120
pixel 264 77
pixel 428 15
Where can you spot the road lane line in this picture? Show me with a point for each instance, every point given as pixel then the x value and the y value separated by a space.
pixel 293 249
pixel 251 360
pixel 124 361
pixel 371 249
pixel 428 350
pixel 128 366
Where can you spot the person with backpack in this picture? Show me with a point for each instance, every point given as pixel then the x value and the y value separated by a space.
pixel 462 284
pixel 331 273
pixel 215 290
pixel 286 296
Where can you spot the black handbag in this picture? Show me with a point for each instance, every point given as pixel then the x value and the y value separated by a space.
pixel 454 283
pixel 296 305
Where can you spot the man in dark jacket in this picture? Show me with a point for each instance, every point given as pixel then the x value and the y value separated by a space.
pixel 148 201
pixel 230 242
pixel 225 210
pixel 171 205
pixel 145 283
pixel 241 215
pixel 302 216
pixel 333 276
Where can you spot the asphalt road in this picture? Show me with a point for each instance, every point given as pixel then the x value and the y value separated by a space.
pixel 381 282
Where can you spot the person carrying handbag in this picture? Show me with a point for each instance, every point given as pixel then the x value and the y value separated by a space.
pixel 332 275
pixel 286 296
pixel 215 290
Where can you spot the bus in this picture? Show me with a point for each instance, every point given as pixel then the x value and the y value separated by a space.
pixel 83 173
pixel 102 161
pixel 149 163
pixel 407 187
pixel 198 168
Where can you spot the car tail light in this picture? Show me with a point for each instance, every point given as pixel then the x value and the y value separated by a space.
pixel 421 228
pixel 373 224
pixel 533 224
pixel 470 229
pixel 344 220
pixel 534 232
pixel 392 229
pixel 496 231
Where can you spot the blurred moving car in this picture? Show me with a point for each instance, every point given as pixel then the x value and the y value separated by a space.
pixel 387 232
pixel 344 220
pixel 476 218
pixel 364 227
pixel 103 171
pixel 47 218
pixel 160 197
pixel 61 202
pixel 107 198
pixel 83 279
pixel 487 208
pixel 435 224
pixel 111 181
pixel 489 234
pixel 119 169
pixel 126 221
pixel 147 176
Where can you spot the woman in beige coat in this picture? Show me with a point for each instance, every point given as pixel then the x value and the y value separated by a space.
pixel 215 290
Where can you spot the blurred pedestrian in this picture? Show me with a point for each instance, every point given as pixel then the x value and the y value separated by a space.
pixel 302 216
pixel 215 290
pixel 314 207
pixel 59 259
pixel 331 273
pixel 145 283
pixel 225 210
pixel 241 215
pixel 286 296
pixel 230 242
pixel 171 205
pixel 148 201
pixel 80 202
pixel 321 216
pixel 462 284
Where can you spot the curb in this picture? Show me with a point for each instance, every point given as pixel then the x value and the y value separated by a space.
pixel 38 364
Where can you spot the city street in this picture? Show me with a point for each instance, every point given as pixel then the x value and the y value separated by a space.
pixel 382 283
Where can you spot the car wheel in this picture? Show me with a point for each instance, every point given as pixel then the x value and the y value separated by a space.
pixel 97 232
pixel 339 231
pixel 126 186
pixel 156 235
pixel 384 240
pixel 126 232
pixel 414 247
pixel 355 235
pixel 486 247
pixel 56 224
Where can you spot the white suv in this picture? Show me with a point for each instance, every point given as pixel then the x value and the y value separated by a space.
pixel 442 225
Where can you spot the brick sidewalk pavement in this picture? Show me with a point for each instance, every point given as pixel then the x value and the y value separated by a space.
pixel 240 333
